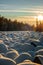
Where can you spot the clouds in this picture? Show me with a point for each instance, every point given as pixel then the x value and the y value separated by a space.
pixel 22 10
pixel 17 4
pixel 29 11
pixel 19 11
pixel 22 2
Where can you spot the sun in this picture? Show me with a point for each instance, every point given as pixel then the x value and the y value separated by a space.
pixel 40 18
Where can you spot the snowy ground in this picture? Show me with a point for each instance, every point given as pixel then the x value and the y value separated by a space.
pixel 21 48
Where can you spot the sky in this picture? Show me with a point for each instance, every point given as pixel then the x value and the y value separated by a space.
pixel 22 10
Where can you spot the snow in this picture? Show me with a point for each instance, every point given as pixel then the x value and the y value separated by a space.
pixel 20 46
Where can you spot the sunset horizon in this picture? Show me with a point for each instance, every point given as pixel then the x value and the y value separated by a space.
pixel 23 10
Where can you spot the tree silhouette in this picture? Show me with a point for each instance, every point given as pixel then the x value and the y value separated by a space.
pixel 9 25
pixel 39 26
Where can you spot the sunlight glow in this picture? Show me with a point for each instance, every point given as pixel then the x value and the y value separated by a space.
pixel 40 18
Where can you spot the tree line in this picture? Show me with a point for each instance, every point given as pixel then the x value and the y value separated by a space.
pixel 39 26
pixel 9 25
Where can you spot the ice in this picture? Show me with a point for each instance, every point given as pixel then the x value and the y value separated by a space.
pixel 12 54
pixel 39 52
pixel 21 48
pixel 7 61
pixel 39 59
pixel 38 48
pixel 3 48
pixel 22 57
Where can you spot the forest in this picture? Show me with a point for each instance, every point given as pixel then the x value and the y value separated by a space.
pixel 39 26
pixel 9 25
